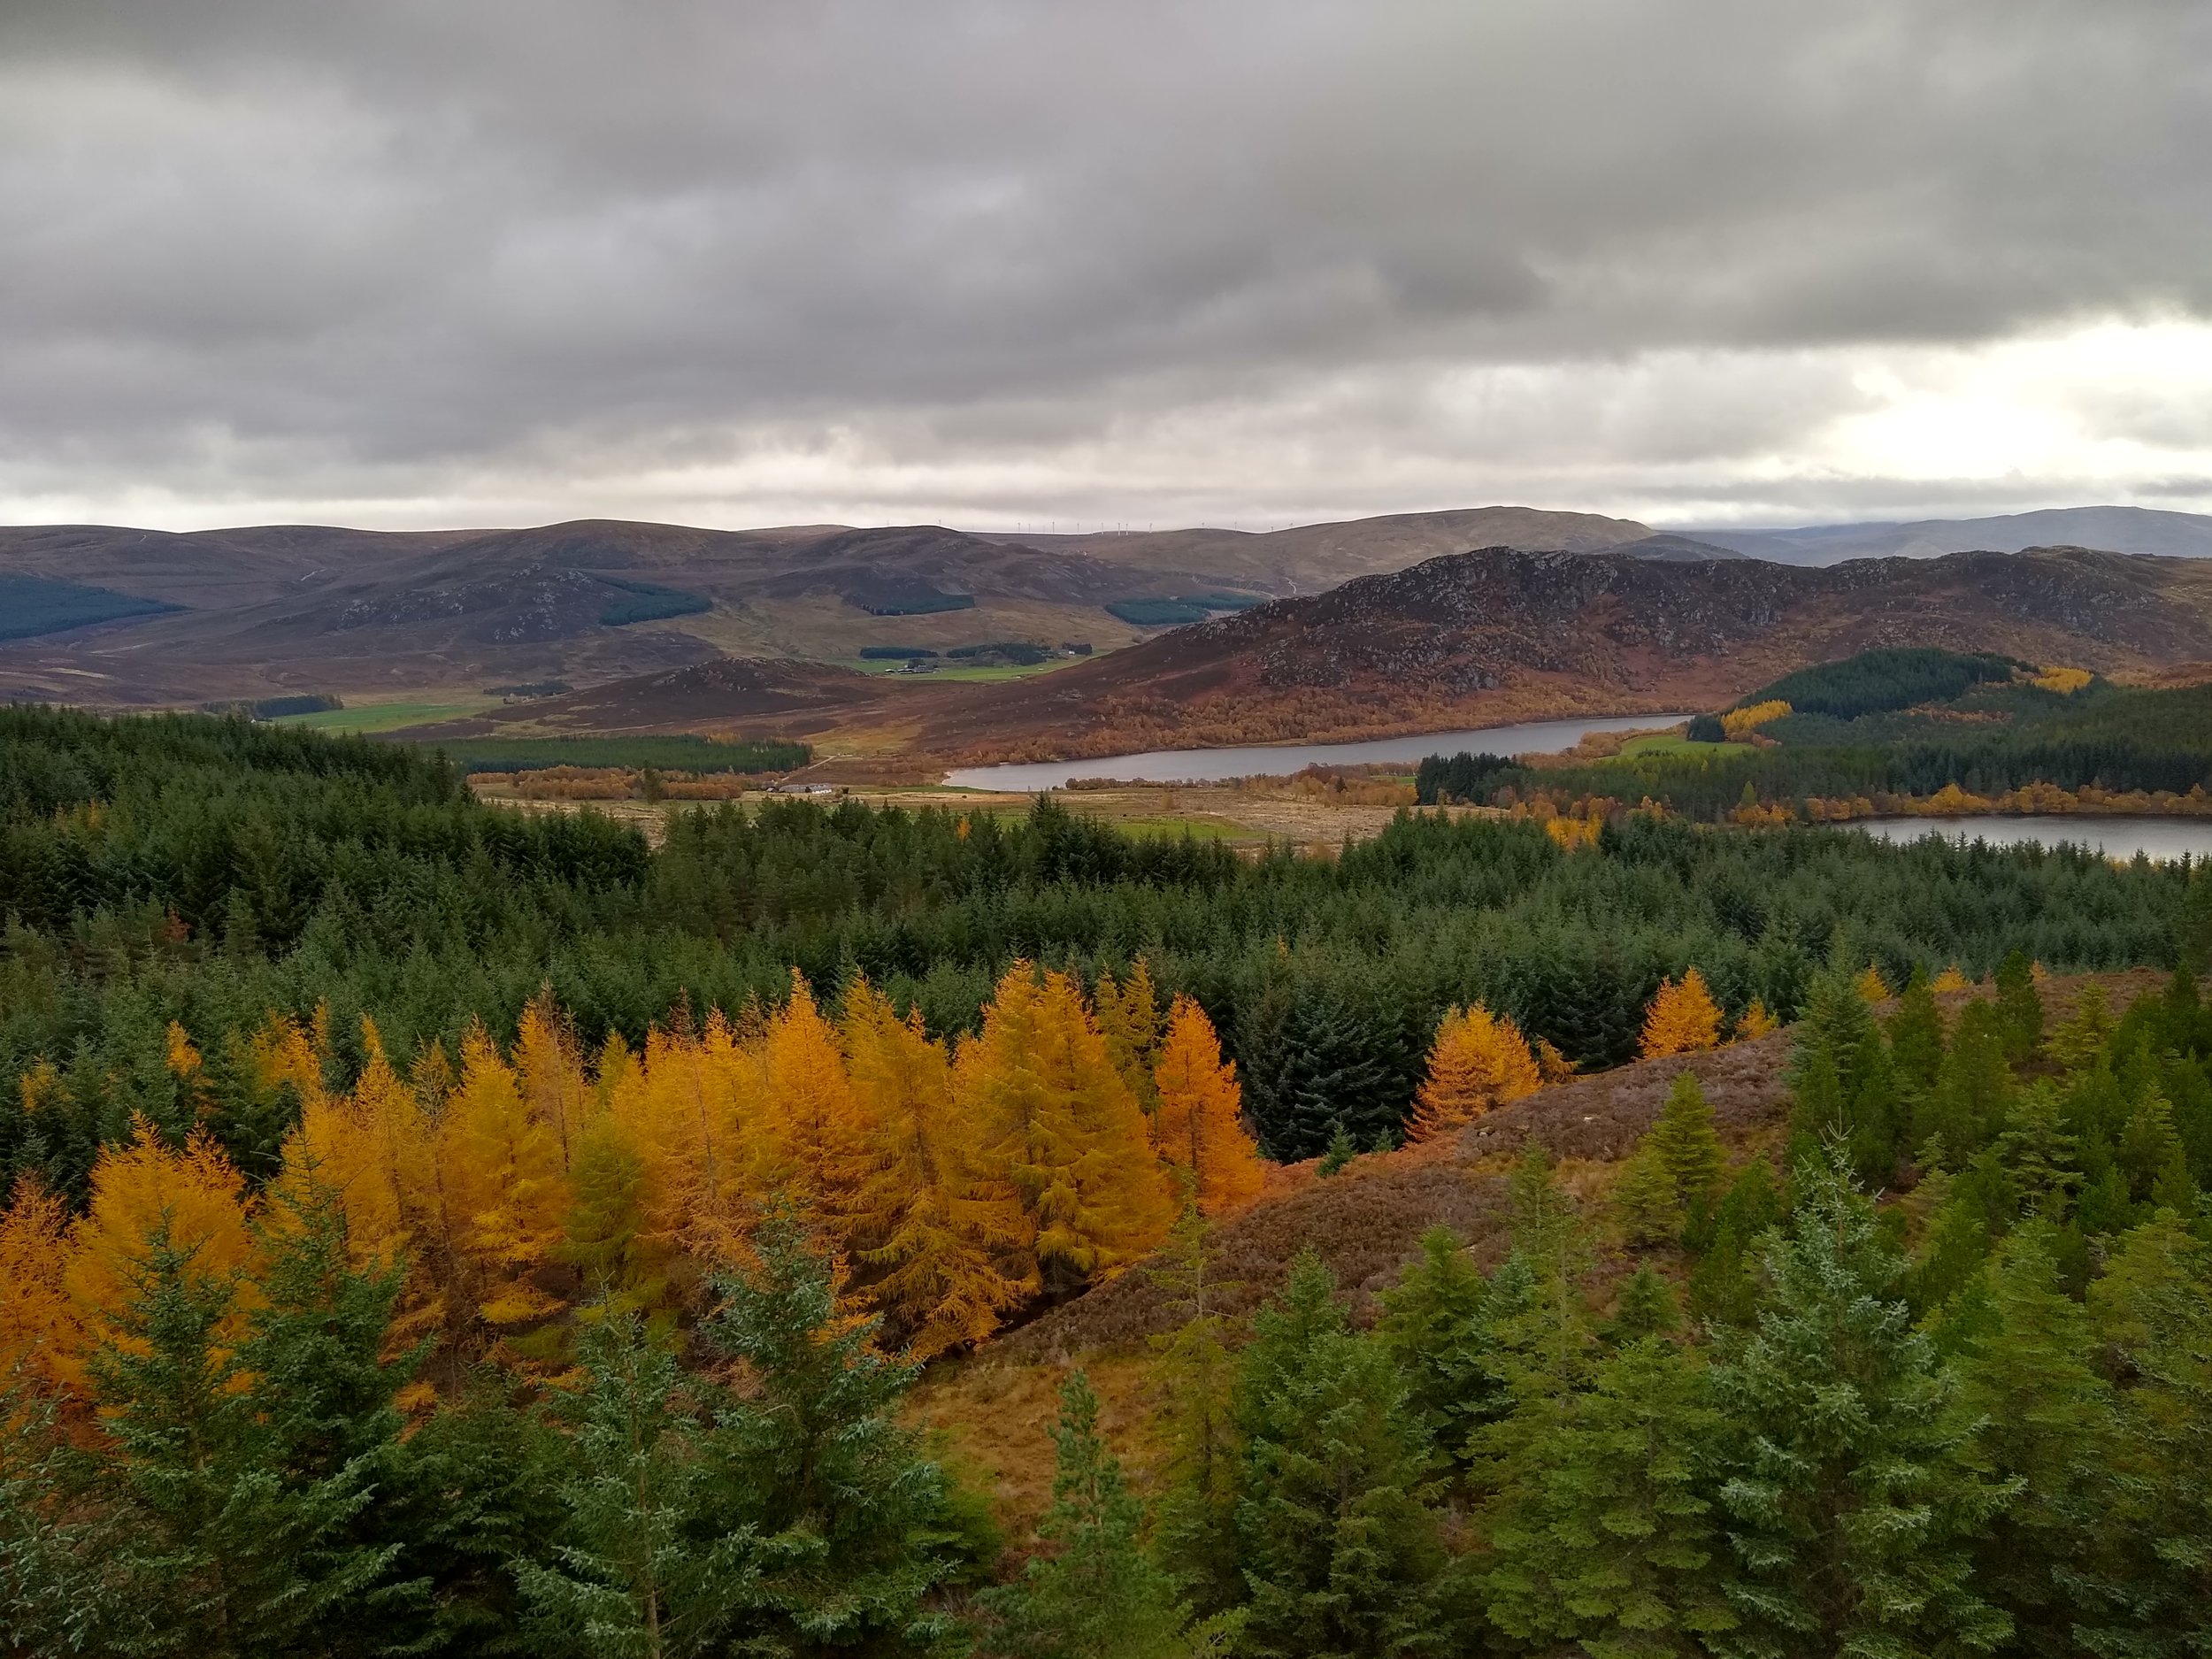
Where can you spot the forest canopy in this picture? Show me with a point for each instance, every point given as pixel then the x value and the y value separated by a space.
pixel 210 872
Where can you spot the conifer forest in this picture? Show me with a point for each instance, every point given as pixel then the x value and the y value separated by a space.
pixel 433 1228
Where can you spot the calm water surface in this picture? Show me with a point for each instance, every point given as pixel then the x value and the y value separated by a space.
pixel 2160 838
pixel 1211 766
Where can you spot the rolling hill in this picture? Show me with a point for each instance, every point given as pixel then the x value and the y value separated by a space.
pixel 156 617
pixel 243 613
pixel 1483 638
pixel 1469 640
pixel 1308 558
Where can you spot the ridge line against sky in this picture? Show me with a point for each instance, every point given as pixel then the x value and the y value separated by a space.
pixel 1259 262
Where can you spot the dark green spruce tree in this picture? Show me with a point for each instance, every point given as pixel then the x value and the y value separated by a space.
pixel 650 1564
pixel 242 1480
pixel 852 1521
pixel 1336 1535
pixel 1093 1592
pixel 2048 1424
pixel 1850 1496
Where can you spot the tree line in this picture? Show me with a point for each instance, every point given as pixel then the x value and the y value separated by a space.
pixel 204 873
pixel 1859 733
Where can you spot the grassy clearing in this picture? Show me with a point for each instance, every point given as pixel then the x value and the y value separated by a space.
pixel 1173 828
pixel 1669 743
pixel 390 717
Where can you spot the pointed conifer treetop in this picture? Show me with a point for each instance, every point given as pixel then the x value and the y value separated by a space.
pixel 1683 1017
pixel 926 1223
pixel 1094 1592
pixel 1055 1118
pixel 1755 1023
pixel 151 1202
pixel 1478 1061
pixel 1197 1124
pixel 1850 1495
pixel 501 1170
pixel 1129 1019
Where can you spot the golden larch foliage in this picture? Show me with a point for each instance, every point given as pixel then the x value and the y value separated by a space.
pixel 687 1106
pixel 1950 980
pixel 38 1331
pixel 503 1185
pixel 1198 1128
pixel 1755 1023
pixel 1129 1020
pixel 402 1146
pixel 552 1075
pixel 924 1225
pixel 815 1144
pixel 1480 1060
pixel 332 1150
pixel 1551 1065
pixel 1740 723
pixel 148 1198
pixel 283 1051
pixel 1872 986
pixel 1683 1017
pixel 1060 1127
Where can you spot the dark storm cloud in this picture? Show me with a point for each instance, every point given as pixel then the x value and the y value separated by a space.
pixel 369 252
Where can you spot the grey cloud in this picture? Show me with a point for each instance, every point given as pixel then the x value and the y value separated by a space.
pixel 361 251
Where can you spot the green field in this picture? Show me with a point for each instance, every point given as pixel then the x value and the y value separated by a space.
pixel 1204 829
pixel 665 754
pixel 1669 743
pixel 390 717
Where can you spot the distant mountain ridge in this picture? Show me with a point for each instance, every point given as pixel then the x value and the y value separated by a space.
pixel 1468 640
pixel 2114 529
pixel 273 610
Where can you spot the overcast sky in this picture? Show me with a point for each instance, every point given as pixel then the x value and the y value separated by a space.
pixel 426 262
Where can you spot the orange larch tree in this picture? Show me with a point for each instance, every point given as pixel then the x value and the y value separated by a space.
pixel 503 1180
pixel 403 1147
pixel 37 1329
pixel 333 1149
pixel 151 1204
pixel 691 1106
pixel 1480 1060
pixel 1755 1023
pixel 1059 1126
pixel 553 1074
pixel 1683 1017
pixel 1198 1128
pixel 925 1225
pixel 815 1144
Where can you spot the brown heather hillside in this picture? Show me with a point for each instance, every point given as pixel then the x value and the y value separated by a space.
pixel 992 1412
pixel 1485 638
pixel 1471 640
pixel 316 608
